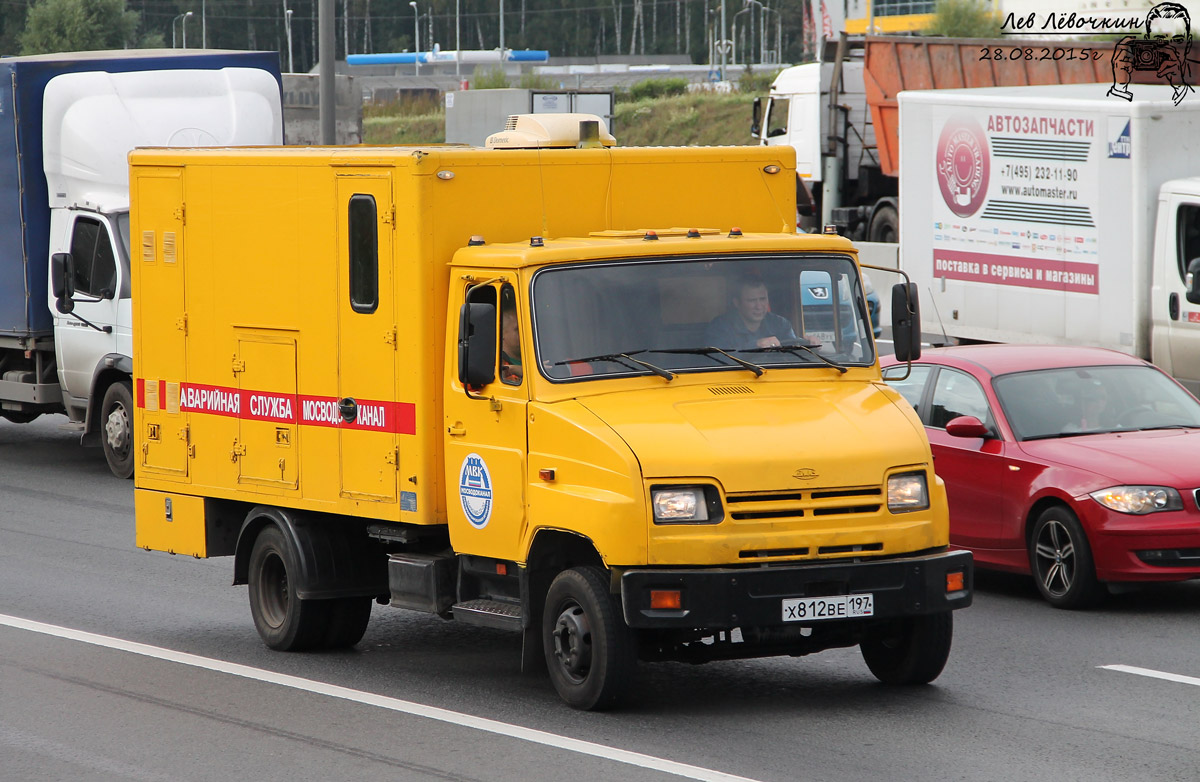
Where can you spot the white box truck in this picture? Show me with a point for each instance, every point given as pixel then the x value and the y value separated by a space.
pixel 1056 214
pixel 67 124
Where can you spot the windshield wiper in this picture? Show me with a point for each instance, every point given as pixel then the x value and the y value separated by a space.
pixel 792 349
pixel 623 357
pixel 755 368
pixel 1165 426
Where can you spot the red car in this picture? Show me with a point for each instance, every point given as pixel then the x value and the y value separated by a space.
pixel 1079 466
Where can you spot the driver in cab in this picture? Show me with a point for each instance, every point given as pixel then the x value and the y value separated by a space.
pixel 749 323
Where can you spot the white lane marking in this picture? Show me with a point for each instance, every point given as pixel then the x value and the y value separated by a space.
pixel 381 701
pixel 1171 677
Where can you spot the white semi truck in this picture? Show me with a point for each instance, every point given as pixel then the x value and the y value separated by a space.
pixel 69 122
pixel 1056 214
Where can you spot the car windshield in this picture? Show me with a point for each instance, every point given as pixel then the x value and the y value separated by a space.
pixel 699 314
pixel 1088 400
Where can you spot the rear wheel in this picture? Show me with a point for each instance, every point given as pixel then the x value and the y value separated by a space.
pixel 913 650
pixel 283 620
pixel 116 428
pixel 590 652
pixel 348 619
pixel 1061 561
pixel 884 225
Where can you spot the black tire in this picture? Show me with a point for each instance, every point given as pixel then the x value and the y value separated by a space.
pixel 913 650
pixel 590 652
pixel 1060 559
pixel 885 225
pixel 116 428
pixel 348 619
pixel 284 621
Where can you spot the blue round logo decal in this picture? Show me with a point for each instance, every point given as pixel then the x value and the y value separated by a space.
pixel 475 490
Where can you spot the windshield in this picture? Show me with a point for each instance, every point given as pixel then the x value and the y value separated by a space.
pixel 1088 400
pixel 699 314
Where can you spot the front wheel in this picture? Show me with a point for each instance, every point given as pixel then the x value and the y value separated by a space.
pixel 116 428
pixel 913 650
pixel 590 652
pixel 1061 560
pixel 283 620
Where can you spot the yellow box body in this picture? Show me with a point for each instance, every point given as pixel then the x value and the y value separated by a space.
pixel 247 338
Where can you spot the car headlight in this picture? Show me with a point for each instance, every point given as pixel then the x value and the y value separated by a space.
pixel 683 504
pixel 1138 500
pixel 907 491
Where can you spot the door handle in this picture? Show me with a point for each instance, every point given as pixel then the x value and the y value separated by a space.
pixel 458 430
pixel 1173 306
pixel 348 409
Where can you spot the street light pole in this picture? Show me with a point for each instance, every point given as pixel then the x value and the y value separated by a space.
pixel 724 42
pixel 287 24
pixel 416 39
pixel 457 45
pixel 203 26
pixel 501 30
pixel 183 25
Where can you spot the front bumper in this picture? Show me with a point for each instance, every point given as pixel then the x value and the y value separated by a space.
pixel 724 598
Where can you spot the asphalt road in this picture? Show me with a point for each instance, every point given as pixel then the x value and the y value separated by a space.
pixel 118 664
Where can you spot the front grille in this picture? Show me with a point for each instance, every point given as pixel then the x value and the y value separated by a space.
pixel 1196 497
pixel 754 506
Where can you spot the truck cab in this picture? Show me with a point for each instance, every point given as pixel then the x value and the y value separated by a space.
pixel 90 122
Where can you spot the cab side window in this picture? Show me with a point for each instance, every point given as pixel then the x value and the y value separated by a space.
pixel 92 252
pixel 777 117
pixel 511 369
pixel 956 394
pixel 1187 222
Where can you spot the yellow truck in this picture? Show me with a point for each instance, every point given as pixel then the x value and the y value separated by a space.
pixel 604 397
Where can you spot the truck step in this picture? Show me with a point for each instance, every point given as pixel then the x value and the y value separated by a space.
pixel 489 613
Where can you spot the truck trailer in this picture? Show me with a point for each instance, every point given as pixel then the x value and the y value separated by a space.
pixel 69 122
pixel 842 116
pixel 490 384
pixel 1056 214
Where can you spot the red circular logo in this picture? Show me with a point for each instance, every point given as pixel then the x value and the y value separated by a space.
pixel 962 165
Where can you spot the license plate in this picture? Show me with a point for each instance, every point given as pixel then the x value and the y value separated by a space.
pixel 812 609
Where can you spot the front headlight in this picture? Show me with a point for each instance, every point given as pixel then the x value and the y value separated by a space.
pixel 907 492
pixel 679 504
pixel 1138 500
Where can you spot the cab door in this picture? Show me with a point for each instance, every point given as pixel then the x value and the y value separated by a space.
pixel 486 436
pixel 1183 323
pixel 366 393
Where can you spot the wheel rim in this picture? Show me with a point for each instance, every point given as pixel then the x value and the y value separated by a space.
pixel 573 642
pixel 1054 552
pixel 116 429
pixel 273 597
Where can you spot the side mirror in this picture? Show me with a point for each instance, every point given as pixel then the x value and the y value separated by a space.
pixel 62 276
pixel 756 120
pixel 967 426
pixel 906 321
pixel 1192 281
pixel 476 344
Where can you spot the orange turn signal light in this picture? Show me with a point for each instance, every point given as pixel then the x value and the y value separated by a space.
pixel 666 599
pixel 954 581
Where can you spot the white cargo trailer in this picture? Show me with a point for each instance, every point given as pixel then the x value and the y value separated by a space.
pixel 1056 214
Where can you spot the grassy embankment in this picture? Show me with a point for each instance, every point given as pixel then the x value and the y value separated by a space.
pixel 695 119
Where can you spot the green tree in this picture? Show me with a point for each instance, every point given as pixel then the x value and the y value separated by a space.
pixel 964 19
pixel 78 25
